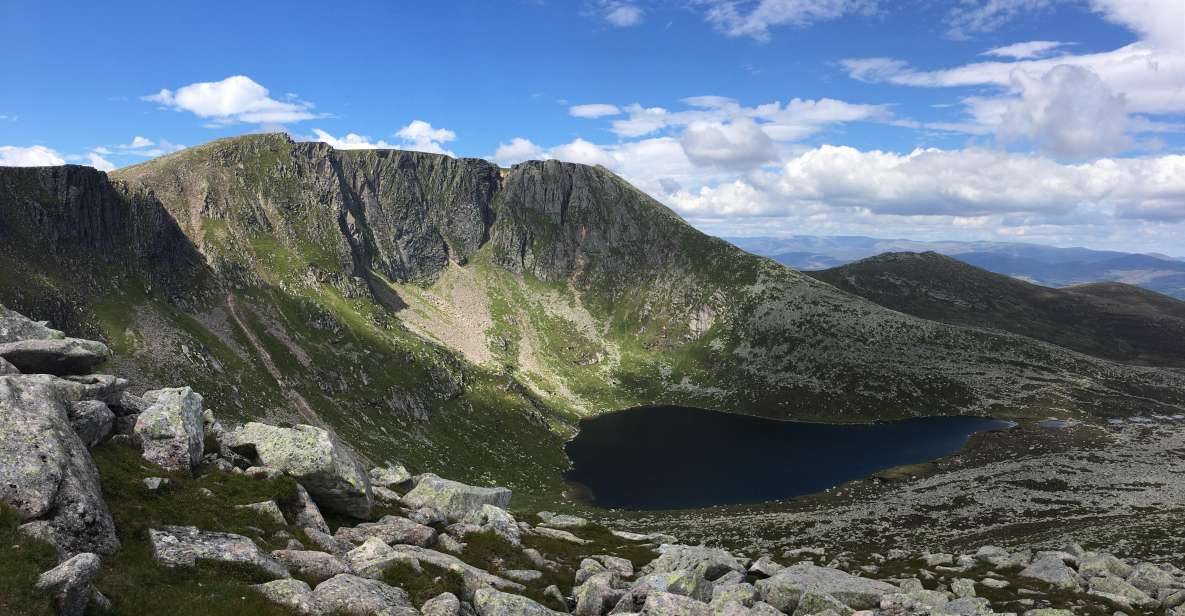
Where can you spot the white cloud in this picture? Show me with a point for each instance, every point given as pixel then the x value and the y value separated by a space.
pixel 1068 112
pixel 740 144
pixel 967 18
pixel 794 120
pixel 1026 50
pixel 584 152
pixel 138 142
pixel 593 110
pixel 622 14
pixel 422 137
pixel 418 135
pixel 517 151
pixel 755 18
pixel 100 163
pixel 32 156
pixel 232 100
pixel 351 141
pixel 1160 22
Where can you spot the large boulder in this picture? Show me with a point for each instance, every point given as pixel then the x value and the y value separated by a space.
pixel 667 604
pixel 301 511
pixel 171 429
pixel 448 561
pixel 453 498
pixel 787 588
pixel 70 583
pixel 708 563
pixel 185 546
pixel 312 456
pixel 59 356
pixel 46 472
pixel 490 602
pixel 391 530
pixel 1051 570
pixel 311 565
pixel 91 419
pixel 292 594
pixel 15 327
pixel 350 595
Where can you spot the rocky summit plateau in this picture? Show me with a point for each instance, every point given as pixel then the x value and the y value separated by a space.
pixel 261 376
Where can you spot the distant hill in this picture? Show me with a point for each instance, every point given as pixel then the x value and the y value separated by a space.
pixel 1045 265
pixel 1110 320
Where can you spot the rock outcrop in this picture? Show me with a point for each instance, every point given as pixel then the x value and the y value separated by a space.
pixel 332 475
pixel 453 498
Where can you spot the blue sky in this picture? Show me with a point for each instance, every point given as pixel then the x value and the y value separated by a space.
pixel 1055 121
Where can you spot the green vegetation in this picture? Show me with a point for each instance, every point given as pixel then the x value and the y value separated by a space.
pixel 22 560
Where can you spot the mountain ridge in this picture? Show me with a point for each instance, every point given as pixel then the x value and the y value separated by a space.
pixel 434 302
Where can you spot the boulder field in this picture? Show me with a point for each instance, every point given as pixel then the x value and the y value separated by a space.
pixel 385 541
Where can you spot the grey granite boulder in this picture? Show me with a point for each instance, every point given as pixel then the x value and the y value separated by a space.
pixel 311 565
pixel 391 530
pixel 312 456
pixel 1051 570
pixel 46 473
pixel 292 594
pixel 785 589
pixel 303 512
pixel 490 602
pixel 185 546
pixel 91 419
pixel 667 604
pixel 448 561
pixel 57 356
pixel 15 327
pixel 170 431
pixel 392 477
pixel 7 368
pixel 496 520
pixel 70 583
pixel 374 557
pixel 708 563
pixel 444 604
pixel 453 498
pixel 351 595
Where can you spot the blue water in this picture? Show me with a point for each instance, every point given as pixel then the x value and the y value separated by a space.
pixel 668 457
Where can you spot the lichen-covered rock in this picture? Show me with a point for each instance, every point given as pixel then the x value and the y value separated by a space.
pixel 1120 591
pixel 46 473
pixel 91 419
pixel 15 327
pixel 622 567
pixel 453 498
pixel 667 604
pixel 70 583
pixel 497 520
pixel 561 535
pixel 374 557
pixel 813 602
pixel 266 509
pixel 785 589
pixel 490 602
pixel 390 529
pixel 392 477
pixel 351 595
pixel 444 604
pixel 170 431
pixel 315 458
pixel 7 369
pixel 310 564
pixel 1150 578
pixel 708 563
pixel 1051 570
pixel 687 583
pixel 292 594
pixel 185 546
pixel 596 595
pixel 55 356
pixel 302 512
pixel 1093 565
pixel 448 561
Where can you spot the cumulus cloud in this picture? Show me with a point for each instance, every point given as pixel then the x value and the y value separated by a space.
pixel 417 135
pixel 593 110
pixel 517 151
pixel 235 99
pixel 622 14
pixel 740 144
pixel 98 162
pixel 1068 112
pixel 1160 22
pixel 755 19
pixel 1026 50
pixel 32 156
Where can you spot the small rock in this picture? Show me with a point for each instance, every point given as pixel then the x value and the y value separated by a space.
pixel 70 583
pixel 155 483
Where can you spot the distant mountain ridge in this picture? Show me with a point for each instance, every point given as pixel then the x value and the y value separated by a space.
pixel 1107 319
pixel 1045 265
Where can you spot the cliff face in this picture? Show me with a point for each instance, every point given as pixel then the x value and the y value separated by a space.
pixel 400 288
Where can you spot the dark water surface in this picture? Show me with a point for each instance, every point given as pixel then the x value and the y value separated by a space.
pixel 669 457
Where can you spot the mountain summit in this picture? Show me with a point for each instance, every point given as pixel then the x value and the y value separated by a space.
pixel 340 286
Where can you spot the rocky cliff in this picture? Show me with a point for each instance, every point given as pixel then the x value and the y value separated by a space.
pixel 448 302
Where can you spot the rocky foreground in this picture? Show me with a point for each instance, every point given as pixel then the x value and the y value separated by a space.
pixel 93 471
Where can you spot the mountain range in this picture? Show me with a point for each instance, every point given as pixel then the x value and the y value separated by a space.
pixel 454 313
pixel 1044 265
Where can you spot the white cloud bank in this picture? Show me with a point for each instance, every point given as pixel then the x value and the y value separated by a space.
pixel 417 135
pixel 236 99
pixel 31 156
